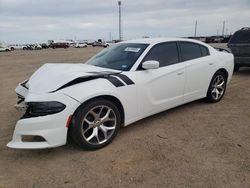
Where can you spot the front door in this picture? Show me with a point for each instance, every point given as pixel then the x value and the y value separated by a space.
pixel 162 88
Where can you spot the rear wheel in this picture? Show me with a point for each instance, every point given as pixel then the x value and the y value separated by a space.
pixel 217 87
pixel 95 124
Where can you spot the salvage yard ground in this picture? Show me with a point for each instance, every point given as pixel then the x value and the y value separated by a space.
pixel 195 145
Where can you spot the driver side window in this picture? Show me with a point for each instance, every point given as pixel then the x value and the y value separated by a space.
pixel 165 53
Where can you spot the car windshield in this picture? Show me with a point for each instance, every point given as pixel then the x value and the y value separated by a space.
pixel 119 57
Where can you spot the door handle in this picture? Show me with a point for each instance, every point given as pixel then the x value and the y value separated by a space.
pixel 180 73
pixel 210 63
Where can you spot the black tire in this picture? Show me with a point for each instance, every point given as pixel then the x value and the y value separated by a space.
pixel 210 93
pixel 78 126
pixel 236 68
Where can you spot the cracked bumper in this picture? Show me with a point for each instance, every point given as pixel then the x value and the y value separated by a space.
pixel 51 128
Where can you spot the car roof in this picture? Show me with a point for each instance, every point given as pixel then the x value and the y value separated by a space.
pixel 153 41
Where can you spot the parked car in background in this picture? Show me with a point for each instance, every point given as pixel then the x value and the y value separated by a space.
pixel 44 46
pixel 59 45
pixel 127 82
pixel 4 48
pixel 37 46
pixel 16 46
pixel 28 47
pixel 70 42
pixel 89 42
pixel 81 45
pixel 109 44
pixel 32 47
pixel 209 40
pixel 217 39
pixel 100 44
pixel 97 43
pixel 240 47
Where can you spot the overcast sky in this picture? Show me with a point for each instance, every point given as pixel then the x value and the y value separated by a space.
pixel 24 21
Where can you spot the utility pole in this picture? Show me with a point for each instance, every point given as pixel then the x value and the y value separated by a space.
pixel 120 20
pixel 195 29
pixel 110 37
pixel 223 28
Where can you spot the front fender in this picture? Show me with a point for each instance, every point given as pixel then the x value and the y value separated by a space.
pixel 126 94
pixel 87 90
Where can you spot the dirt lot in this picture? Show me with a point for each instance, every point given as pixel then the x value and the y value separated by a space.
pixel 195 145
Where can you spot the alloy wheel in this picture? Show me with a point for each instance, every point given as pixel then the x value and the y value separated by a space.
pixel 218 87
pixel 99 125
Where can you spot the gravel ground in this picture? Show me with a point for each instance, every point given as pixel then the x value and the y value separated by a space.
pixel 195 145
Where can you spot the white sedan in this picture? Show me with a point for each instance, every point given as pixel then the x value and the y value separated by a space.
pixel 81 45
pixel 120 85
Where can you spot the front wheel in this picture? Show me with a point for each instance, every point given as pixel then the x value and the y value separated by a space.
pixel 217 87
pixel 95 124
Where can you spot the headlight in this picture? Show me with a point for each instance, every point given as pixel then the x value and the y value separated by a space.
pixel 35 109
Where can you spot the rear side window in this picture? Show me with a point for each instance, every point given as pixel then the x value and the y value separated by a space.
pixel 165 53
pixel 190 51
pixel 240 37
pixel 204 50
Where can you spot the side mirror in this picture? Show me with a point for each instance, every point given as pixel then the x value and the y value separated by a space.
pixel 150 64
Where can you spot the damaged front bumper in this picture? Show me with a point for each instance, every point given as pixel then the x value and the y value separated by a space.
pixel 51 130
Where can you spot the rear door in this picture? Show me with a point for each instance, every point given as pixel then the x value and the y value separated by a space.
pixel 199 70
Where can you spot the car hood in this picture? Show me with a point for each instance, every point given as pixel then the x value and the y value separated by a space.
pixel 51 77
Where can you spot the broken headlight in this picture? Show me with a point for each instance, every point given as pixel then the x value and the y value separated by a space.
pixel 35 109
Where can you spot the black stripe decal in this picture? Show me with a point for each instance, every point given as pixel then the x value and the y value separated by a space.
pixel 126 79
pixel 77 81
pixel 104 73
pixel 114 81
